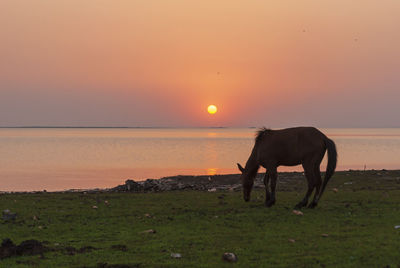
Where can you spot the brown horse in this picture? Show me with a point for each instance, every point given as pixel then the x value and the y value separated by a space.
pixel 289 147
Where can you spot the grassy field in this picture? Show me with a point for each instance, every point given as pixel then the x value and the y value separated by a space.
pixel 358 220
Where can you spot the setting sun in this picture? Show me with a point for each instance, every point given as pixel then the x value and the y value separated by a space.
pixel 212 109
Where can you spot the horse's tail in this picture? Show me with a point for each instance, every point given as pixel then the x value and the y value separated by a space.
pixel 332 160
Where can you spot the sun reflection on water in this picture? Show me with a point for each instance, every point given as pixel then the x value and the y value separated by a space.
pixel 212 171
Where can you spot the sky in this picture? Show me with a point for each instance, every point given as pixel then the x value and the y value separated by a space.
pixel 150 63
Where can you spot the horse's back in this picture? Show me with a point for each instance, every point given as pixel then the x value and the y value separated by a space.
pixel 295 136
pixel 291 146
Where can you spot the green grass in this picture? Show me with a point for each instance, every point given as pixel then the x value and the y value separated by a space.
pixel 359 220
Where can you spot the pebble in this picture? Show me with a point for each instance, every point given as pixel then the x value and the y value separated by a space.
pixel 150 231
pixel 298 212
pixel 229 257
pixel 176 255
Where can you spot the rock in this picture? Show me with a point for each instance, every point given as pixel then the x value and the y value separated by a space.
pixel 8 215
pixel 235 188
pixel 150 231
pixel 132 186
pixel 229 257
pixel 180 186
pixel 167 187
pixel 151 185
pixel 229 182
pixel 94 207
pixel 335 190
pixel 176 255
pixel 292 240
pixel 298 212
pixel 324 235
pixel 212 190
pixel 397 227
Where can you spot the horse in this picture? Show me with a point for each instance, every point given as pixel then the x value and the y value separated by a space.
pixel 289 147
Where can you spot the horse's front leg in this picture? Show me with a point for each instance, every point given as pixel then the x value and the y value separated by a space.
pixel 273 174
pixel 266 183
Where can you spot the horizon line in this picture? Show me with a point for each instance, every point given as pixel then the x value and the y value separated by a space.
pixel 107 127
pixel 165 127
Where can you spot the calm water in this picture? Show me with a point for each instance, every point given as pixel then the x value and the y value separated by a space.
pixel 57 159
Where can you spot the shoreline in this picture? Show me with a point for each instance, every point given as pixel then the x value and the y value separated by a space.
pixel 212 183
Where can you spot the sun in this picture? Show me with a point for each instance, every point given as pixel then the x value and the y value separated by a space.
pixel 212 109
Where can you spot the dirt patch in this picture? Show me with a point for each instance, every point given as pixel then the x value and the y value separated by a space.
pixel 27 247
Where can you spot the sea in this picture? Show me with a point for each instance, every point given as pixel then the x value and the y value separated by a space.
pixel 55 159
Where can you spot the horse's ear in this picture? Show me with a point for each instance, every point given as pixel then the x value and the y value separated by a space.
pixel 240 168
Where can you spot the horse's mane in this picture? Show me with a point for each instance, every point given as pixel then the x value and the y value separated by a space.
pixel 261 133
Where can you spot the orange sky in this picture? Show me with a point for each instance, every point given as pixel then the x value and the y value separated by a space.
pixel 161 63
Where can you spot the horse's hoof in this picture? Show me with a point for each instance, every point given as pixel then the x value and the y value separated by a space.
pixel 312 205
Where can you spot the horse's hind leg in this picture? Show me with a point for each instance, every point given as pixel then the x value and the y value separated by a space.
pixel 317 176
pixel 311 183
pixel 318 182
pixel 273 174
pixel 266 183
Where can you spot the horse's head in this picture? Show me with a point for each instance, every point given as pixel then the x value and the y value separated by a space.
pixel 247 182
